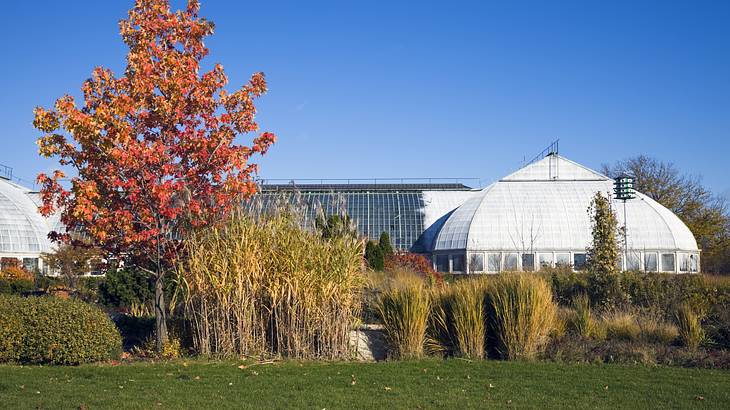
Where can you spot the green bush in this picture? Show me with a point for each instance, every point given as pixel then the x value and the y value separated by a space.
pixel 15 286
pixel 50 330
pixel 374 256
pixel 522 315
pixel 124 288
pixel 567 284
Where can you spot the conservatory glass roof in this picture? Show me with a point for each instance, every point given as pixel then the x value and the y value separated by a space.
pixel 544 207
pixel 22 229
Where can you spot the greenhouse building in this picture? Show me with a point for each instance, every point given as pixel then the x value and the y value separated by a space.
pixel 537 216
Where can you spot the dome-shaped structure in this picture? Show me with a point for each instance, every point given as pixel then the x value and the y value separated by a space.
pixel 539 216
pixel 23 230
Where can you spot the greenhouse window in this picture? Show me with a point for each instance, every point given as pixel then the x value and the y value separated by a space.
pixel 668 262
pixel 476 262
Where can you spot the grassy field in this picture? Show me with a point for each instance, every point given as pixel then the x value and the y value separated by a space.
pixel 412 385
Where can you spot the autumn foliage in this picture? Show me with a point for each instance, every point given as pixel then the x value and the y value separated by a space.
pixel 154 150
pixel 415 263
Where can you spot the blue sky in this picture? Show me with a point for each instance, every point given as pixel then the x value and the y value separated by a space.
pixel 422 89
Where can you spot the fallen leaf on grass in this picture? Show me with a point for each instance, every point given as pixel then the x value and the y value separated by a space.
pixel 699 398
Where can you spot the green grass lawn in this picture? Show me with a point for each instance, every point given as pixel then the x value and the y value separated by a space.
pixel 415 385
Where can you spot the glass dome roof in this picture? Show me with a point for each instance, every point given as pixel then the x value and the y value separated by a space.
pixel 544 207
pixel 22 228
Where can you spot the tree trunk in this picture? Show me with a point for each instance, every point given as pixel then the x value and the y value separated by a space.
pixel 160 315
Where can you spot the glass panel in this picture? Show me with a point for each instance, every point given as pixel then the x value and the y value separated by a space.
pixel 476 262
pixel 634 261
pixel 668 262
pixel 528 262
pixel 510 262
pixel 694 266
pixel 493 262
pixel 546 260
pixel 579 261
pixel 650 262
pixel 457 263
pixel 30 264
pixel 442 263
pixel 562 259
pixel 683 262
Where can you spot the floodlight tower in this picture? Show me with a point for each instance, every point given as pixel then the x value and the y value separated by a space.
pixel 624 190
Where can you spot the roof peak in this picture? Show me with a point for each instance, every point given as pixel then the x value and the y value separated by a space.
pixel 554 168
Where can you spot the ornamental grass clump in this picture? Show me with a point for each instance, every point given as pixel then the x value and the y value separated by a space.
pixel 689 324
pixel 657 331
pixel 264 284
pixel 522 315
pixel 621 325
pixel 458 320
pixel 582 323
pixel 404 308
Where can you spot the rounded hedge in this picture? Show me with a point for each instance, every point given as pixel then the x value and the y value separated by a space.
pixel 48 330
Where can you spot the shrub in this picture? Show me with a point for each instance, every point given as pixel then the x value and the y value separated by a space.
pixel 260 284
pixel 15 286
pixel 55 331
pixel 125 287
pixel 689 324
pixel 718 326
pixel 458 319
pixel 374 256
pixel 404 309
pixel 16 273
pixel 621 326
pixel 521 316
pixel 416 263
pixel 385 245
pixel 567 284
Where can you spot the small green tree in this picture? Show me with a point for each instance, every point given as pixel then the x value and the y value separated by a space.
pixel 385 245
pixel 374 256
pixel 603 255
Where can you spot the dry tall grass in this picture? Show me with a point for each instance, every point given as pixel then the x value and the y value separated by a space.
pixel 522 314
pixel 404 308
pixel 458 319
pixel 689 324
pixel 261 285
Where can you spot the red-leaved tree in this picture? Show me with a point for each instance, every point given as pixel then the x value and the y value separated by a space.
pixel 154 150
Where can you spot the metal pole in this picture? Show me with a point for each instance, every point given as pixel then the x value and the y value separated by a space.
pixel 626 239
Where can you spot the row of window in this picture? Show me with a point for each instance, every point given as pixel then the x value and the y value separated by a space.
pixel 513 261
